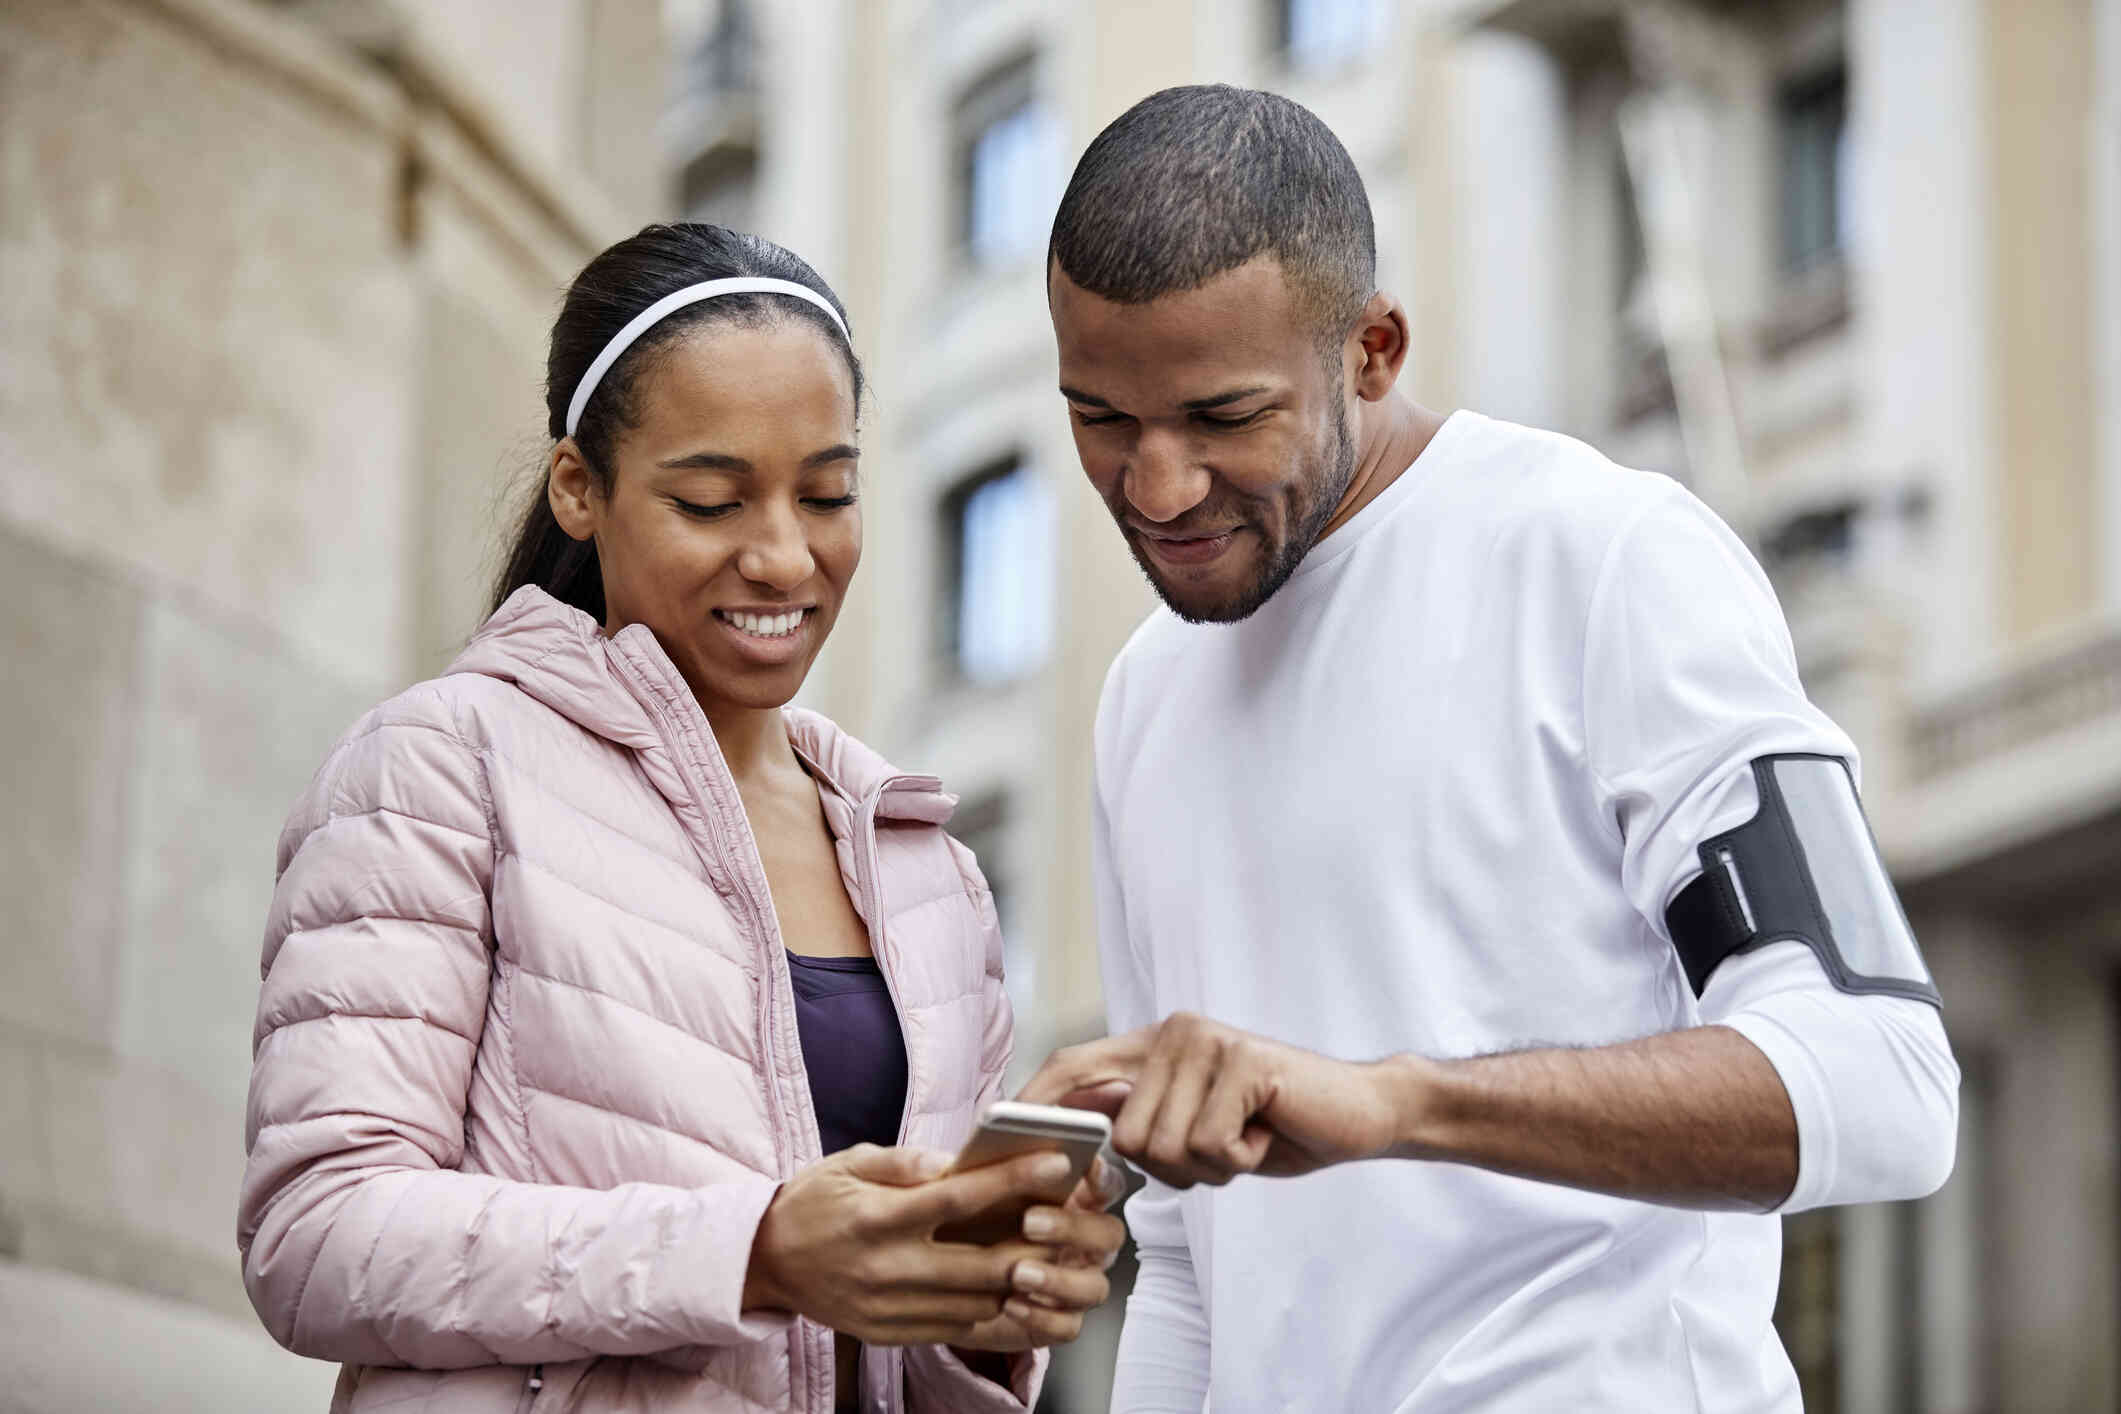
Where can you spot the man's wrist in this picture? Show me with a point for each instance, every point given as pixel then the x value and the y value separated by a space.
pixel 1419 1092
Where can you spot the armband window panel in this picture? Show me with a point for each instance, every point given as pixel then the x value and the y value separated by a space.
pixel 1805 868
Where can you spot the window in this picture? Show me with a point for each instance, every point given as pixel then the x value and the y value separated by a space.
pixel 719 42
pixel 1325 34
pixel 998 597
pixel 720 186
pixel 1009 159
pixel 1812 118
pixel 983 825
pixel 1808 1306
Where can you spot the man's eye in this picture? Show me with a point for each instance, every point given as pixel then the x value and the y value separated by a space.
pixel 699 512
pixel 1101 419
pixel 1249 417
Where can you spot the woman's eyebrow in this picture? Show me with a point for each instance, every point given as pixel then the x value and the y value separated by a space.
pixel 723 461
pixel 838 452
pixel 705 461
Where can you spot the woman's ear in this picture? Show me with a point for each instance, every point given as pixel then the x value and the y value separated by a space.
pixel 1381 343
pixel 571 490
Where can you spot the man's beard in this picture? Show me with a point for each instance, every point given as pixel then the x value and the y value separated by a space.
pixel 1323 486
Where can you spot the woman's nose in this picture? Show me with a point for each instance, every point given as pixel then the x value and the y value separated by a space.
pixel 778 555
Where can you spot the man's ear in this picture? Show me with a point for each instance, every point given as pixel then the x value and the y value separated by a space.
pixel 1379 344
pixel 571 490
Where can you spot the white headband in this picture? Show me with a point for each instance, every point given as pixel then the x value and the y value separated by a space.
pixel 669 304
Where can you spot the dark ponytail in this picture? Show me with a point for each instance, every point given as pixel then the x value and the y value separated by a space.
pixel 609 292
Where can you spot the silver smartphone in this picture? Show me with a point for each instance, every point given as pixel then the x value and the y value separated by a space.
pixel 1010 1127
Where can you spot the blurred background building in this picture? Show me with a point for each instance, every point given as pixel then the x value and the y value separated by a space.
pixel 274 285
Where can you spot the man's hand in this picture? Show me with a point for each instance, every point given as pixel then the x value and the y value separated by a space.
pixel 1194 1101
pixel 1696 1118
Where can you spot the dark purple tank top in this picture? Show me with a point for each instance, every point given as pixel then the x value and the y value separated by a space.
pixel 852 1049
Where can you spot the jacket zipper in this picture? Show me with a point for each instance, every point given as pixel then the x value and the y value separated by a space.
pixel 865 881
pixel 865 849
pixel 531 1387
pixel 777 980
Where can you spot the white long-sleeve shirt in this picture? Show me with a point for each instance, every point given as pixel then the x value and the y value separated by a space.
pixel 1435 796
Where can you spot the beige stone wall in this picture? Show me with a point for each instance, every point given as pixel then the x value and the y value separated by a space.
pixel 272 316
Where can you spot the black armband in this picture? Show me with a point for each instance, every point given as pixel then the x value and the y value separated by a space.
pixel 1805 869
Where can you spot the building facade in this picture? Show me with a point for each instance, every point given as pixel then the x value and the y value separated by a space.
pixel 277 281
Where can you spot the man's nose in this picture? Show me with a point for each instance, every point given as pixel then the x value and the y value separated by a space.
pixel 1161 480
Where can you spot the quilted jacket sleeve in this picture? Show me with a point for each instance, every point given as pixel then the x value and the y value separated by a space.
pixel 938 1382
pixel 361 1240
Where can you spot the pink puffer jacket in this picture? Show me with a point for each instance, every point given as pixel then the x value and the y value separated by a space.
pixel 526 1063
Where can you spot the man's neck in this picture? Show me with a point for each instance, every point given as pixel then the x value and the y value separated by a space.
pixel 1390 435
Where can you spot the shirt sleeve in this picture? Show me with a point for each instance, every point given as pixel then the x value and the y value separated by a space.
pixel 1689 676
pixel 1163 1364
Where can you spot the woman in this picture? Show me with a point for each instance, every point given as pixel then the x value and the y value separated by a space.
pixel 583 954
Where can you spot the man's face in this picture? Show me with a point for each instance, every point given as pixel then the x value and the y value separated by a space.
pixel 1214 429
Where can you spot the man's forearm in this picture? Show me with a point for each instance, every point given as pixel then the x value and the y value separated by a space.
pixel 1696 1117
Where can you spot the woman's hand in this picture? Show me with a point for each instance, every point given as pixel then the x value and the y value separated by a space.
pixel 1054 1291
pixel 850 1243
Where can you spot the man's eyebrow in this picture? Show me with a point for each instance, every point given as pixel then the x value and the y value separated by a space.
pixel 1192 405
pixel 1234 395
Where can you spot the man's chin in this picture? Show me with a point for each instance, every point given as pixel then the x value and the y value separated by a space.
pixel 1204 603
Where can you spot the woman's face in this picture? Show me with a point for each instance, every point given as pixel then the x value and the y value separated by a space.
pixel 731 527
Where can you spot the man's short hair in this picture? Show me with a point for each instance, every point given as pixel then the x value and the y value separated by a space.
pixel 1192 182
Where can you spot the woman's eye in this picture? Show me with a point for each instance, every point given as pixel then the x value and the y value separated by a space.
pixel 699 512
pixel 830 503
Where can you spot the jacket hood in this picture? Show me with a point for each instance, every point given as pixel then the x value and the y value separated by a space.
pixel 561 657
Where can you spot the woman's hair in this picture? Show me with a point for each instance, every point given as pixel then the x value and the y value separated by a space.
pixel 609 292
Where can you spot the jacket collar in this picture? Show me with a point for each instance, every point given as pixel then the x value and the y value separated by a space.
pixel 560 656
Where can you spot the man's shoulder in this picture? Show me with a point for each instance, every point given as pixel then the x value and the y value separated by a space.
pixel 1528 480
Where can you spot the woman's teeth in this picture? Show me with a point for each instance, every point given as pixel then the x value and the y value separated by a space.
pixel 764 625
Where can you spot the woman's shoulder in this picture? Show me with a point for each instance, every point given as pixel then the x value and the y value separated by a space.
pixel 462 708
pixel 436 730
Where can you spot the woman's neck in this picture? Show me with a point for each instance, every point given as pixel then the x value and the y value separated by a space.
pixel 753 740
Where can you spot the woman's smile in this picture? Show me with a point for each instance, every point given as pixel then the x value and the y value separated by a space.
pixel 768 636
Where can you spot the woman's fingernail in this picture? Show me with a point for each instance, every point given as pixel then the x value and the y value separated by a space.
pixel 1018 1310
pixel 1050 1168
pixel 1041 1224
pixel 1030 1276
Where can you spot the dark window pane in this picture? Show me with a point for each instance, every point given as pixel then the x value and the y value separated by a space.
pixel 998 601
pixel 1010 150
pixel 1808 1307
pixel 1812 115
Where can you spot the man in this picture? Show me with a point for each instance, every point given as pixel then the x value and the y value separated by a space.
pixel 1467 851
